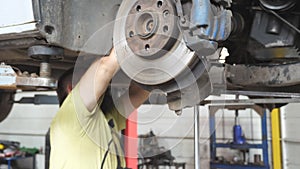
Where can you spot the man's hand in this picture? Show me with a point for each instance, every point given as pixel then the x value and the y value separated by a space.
pixel 95 81
pixel 132 99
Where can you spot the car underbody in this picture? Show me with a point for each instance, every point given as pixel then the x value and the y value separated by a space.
pixel 174 47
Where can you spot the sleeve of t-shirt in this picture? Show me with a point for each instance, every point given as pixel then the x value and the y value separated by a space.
pixel 80 105
pixel 85 117
pixel 93 123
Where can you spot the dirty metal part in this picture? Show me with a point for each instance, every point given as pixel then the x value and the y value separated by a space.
pixel 278 5
pixel 208 24
pixel 11 80
pixel 67 24
pixel 268 35
pixel 45 70
pixel 217 77
pixel 241 103
pixel 272 39
pixel 277 53
pixel 249 102
pixel 225 3
pixel 35 82
pixel 154 71
pixel 172 68
pixel 45 53
pixel 157 96
pixel 191 95
pixel 284 21
pixel 70 24
pixel 6 104
pixel 221 74
pixel 151 28
pixel 269 31
pixel 264 75
pixel 7 77
pixel 38 99
pixel 213 108
pixel 258 93
pixel 179 9
pixel 19 42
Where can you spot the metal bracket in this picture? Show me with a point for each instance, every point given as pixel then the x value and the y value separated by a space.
pixel 209 23
pixel 38 100
pixel 214 108
pixel 9 79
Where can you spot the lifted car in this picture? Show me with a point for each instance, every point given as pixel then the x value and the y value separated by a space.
pixel 170 45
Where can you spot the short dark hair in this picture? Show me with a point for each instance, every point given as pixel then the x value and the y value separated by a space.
pixel 67 78
pixel 64 80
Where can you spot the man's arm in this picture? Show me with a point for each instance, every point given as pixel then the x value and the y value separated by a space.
pixel 137 95
pixel 133 98
pixel 95 81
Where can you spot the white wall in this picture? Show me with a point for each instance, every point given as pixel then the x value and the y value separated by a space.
pixel 28 124
pixel 290 118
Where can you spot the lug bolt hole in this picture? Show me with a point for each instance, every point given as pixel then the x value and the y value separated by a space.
pixel 147 47
pixel 131 34
pixel 165 28
pixel 166 13
pixel 49 29
pixel 159 4
pixel 138 8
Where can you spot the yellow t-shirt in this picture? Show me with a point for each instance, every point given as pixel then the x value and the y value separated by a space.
pixel 79 138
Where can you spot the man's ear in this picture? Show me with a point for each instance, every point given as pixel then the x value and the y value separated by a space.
pixel 69 87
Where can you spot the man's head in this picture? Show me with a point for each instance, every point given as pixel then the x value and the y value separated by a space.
pixel 64 85
pixel 71 77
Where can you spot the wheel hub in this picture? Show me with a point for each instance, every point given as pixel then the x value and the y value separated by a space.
pixel 150 28
pixel 151 51
pixel 150 47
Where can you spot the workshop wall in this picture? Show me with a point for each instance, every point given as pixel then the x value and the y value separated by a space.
pixel 176 132
pixel 28 124
pixel 290 137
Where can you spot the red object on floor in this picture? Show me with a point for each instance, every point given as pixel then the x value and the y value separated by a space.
pixel 131 141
